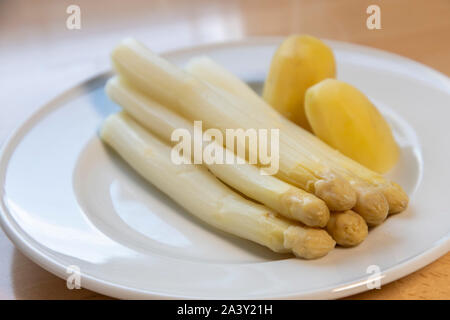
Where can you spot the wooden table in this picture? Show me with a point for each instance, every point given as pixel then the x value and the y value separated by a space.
pixel 36 45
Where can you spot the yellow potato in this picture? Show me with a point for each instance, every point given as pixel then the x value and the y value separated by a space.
pixel 343 117
pixel 300 62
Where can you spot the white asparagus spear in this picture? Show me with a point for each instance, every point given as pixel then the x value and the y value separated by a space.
pixel 195 100
pixel 204 196
pixel 278 195
pixel 375 193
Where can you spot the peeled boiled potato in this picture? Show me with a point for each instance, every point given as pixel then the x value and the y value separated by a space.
pixel 343 117
pixel 300 62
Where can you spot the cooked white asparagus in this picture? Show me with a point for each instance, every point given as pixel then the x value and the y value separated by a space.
pixel 287 200
pixel 376 195
pixel 203 195
pixel 195 100
pixel 347 228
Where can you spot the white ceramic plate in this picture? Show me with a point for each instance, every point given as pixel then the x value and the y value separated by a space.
pixel 66 200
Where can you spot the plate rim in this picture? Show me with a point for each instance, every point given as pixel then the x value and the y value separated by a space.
pixel 32 250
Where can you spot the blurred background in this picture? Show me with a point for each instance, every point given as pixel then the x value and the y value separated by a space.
pixel 40 57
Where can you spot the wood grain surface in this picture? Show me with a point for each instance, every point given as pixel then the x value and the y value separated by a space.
pixel 36 45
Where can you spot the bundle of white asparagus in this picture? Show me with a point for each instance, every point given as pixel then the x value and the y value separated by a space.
pixel 203 195
pixel 312 180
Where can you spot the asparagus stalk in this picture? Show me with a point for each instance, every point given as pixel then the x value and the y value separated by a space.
pixel 203 195
pixel 375 194
pixel 287 200
pixel 195 100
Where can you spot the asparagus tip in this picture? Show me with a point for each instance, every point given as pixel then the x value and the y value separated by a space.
pixel 396 198
pixel 372 205
pixel 306 208
pixel 337 192
pixel 347 228
pixel 308 243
